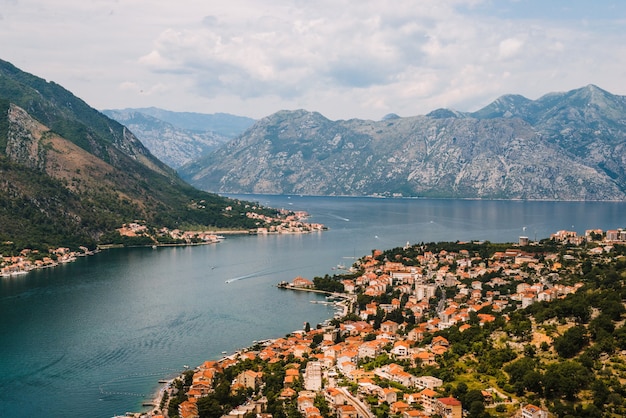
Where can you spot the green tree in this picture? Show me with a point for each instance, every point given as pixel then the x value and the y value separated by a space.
pixel 209 407
pixel 566 379
pixel 571 342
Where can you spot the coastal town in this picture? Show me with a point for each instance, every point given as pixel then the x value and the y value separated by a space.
pixel 445 330
pixel 139 234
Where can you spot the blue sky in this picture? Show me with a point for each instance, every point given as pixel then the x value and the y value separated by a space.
pixel 344 59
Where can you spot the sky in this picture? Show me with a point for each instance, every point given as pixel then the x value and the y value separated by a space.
pixel 345 59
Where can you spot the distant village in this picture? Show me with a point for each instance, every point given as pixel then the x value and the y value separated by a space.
pixel 357 366
pixel 29 260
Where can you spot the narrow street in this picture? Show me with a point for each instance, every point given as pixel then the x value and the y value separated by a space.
pixel 362 410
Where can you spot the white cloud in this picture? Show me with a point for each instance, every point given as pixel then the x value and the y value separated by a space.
pixel 342 58
pixel 510 47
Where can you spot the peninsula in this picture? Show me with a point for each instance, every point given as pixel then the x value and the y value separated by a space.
pixel 140 233
pixel 452 329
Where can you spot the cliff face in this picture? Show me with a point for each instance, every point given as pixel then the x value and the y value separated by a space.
pixel 566 146
pixel 23 136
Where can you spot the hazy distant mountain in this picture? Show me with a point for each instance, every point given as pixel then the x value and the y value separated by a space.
pixel 224 124
pixel 177 138
pixel 563 146
pixel 173 145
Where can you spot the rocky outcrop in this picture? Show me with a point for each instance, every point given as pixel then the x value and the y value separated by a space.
pixel 23 139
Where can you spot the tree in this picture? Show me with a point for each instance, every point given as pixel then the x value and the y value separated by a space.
pixel 565 379
pixel 476 409
pixel 600 393
pixel 460 391
pixel 519 326
pixel 317 339
pixel 571 342
pixel 529 350
pixel 209 407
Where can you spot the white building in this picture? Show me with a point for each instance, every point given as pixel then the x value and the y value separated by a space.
pixel 313 376
pixel 532 411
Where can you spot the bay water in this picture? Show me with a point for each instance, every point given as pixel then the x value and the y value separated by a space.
pixel 93 338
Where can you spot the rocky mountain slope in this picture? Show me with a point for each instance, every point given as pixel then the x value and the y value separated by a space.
pixel 177 138
pixel 174 146
pixel 69 174
pixel 563 146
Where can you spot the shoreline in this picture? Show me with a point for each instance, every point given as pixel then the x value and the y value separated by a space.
pixel 290 223
pixel 31 266
pixel 103 247
pixel 164 384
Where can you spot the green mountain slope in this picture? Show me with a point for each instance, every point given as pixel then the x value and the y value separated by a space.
pixel 70 174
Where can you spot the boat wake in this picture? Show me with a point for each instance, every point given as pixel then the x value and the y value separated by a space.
pixel 247 276
pixel 338 217
pixel 262 273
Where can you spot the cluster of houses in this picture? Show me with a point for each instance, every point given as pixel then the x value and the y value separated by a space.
pixel 571 237
pixel 328 361
pixel 29 260
pixel 325 368
pixel 532 280
pixel 334 364
pixel 135 229
pixel 330 365
pixel 288 223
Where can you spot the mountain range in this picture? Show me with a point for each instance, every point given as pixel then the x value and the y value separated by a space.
pixel 562 146
pixel 176 138
pixel 70 175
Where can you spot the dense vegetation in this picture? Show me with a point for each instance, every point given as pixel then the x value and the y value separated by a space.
pixel 39 212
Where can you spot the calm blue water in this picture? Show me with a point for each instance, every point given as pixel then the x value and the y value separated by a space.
pixel 92 338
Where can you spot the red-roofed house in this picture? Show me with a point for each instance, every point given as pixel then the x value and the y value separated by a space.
pixel 302 282
pixel 346 411
pixel 449 408
pixel 428 399
pixel 399 407
pixel 532 411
